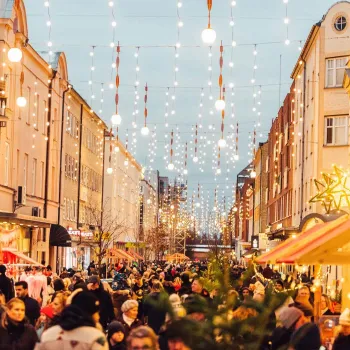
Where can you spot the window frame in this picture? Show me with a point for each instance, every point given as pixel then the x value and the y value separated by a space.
pixel 334 69
pixel 333 127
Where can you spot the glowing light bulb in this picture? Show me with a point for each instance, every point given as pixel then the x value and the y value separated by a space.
pixel 126 162
pixel 109 171
pixel 208 35
pixel 185 171
pixel 234 43
pixel 116 119
pixel 171 166
pixel 145 131
pixel 218 171
pixel 287 42
pixel 21 101
pixel 236 157
pixel 14 54
pixel 195 159
pixel 222 143
pixel 198 205
pixel 286 20
pixel 116 149
pixel 253 174
pixel 220 105
pixel 180 24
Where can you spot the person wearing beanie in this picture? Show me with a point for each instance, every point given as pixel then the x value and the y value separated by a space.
pixel 129 318
pixel 290 319
pixel 58 285
pixel 116 336
pixel 76 326
pixel 306 337
pixel 342 341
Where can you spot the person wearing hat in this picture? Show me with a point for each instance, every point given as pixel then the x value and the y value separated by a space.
pixel 290 318
pixel 77 326
pixel 306 337
pixel 116 336
pixel 129 316
pixel 342 341
pixel 106 305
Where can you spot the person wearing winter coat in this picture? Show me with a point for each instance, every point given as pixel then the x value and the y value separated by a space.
pixel 77 327
pixel 6 285
pixel 306 337
pixel 15 332
pixel 106 305
pixel 152 309
pixel 129 318
pixel 116 336
pixel 291 319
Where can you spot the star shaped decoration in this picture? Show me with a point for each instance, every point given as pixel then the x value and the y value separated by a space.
pixel 333 190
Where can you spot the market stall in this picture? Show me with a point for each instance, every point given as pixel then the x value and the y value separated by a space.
pixel 324 244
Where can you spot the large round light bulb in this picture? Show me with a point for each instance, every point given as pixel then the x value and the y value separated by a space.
pixel 195 159
pixel 21 101
pixel 185 172
pixel 116 149
pixel 220 105
pixel 116 119
pixel 170 166
pixel 218 171
pixel 14 55
pixel 253 174
pixel 222 143
pixel 198 204
pixel 145 131
pixel 109 171
pixel 208 35
pixel 126 162
pixel 236 157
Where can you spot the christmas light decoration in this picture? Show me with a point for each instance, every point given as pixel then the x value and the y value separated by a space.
pixel 15 55
pixel 220 103
pixel 145 130
pixel 209 34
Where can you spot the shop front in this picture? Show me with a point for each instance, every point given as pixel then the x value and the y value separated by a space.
pixel 81 252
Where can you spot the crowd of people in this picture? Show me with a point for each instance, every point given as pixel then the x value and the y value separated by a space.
pixel 159 306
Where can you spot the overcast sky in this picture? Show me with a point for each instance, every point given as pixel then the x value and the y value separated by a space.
pixel 77 25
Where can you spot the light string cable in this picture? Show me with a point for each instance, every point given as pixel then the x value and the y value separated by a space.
pixel 49 25
pixel 112 43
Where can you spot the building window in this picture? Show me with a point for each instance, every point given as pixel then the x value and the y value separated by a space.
pixel 25 173
pixel 36 112
pixel 335 71
pixel 7 163
pixel 336 131
pixel 34 176
pixel 340 23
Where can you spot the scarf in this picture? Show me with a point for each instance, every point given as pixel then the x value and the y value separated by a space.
pixel 128 320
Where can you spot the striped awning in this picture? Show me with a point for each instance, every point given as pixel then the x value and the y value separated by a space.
pixel 327 243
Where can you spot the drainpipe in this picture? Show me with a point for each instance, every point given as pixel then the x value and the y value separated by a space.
pixel 303 148
pixel 79 162
pixel 61 156
pixel 47 165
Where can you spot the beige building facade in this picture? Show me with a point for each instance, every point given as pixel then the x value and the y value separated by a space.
pixel 320 108
pixel 121 202
pixel 29 137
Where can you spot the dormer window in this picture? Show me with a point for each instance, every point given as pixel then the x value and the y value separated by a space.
pixel 340 23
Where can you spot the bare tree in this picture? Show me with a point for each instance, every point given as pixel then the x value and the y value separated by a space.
pixel 108 228
pixel 157 242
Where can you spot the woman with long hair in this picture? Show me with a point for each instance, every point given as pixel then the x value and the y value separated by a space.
pixel 15 332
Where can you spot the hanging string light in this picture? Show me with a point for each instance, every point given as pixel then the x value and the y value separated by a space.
pixel 220 103
pixel 166 113
pixel 236 156
pixel 198 204
pixel 136 85
pixel 218 169
pixel 49 24
pixel 171 164
pixel 145 130
pixel 286 22
pixel 180 23
pixel 92 69
pixel 195 157
pixel 209 34
pixel 185 163
pixel 116 118
pixel 222 142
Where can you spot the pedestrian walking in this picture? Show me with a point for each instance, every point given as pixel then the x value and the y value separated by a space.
pixel 116 336
pixel 6 285
pixel 129 316
pixel 77 326
pixel 15 332
pixel 32 307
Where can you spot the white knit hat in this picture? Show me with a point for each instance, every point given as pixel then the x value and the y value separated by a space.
pixel 344 318
pixel 129 304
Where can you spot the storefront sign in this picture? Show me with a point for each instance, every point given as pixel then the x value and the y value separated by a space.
pixel 78 233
